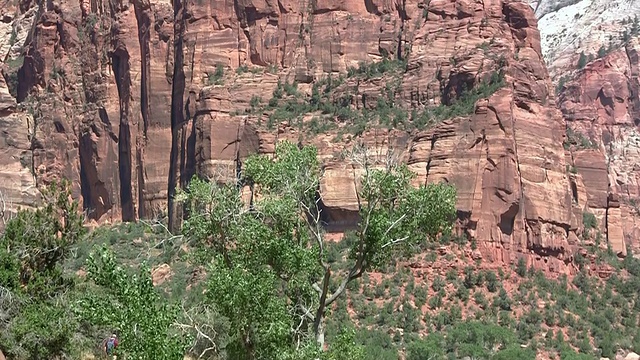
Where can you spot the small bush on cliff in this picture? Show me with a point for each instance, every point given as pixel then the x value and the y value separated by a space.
pixel 589 220
pixel 578 140
pixel 287 104
pixel 217 76
pixel 582 60
pixel 376 69
pixel 464 105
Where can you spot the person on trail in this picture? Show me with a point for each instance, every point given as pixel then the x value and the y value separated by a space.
pixel 111 344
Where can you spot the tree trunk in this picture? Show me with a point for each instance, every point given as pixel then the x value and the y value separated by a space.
pixel 320 333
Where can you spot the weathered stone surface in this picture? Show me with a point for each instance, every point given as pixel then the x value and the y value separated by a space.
pixel 570 27
pixel 160 274
pixel 602 108
pixel 102 77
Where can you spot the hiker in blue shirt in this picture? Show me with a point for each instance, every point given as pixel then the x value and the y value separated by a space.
pixel 111 344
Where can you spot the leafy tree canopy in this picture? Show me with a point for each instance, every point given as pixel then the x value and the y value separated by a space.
pixel 269 272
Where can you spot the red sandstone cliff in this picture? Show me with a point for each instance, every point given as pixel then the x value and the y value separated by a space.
pixel 602 109
pixel 122 97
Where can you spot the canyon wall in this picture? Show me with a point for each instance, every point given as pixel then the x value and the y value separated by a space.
pixel 593 27
pixel 125 97
pixel 602 109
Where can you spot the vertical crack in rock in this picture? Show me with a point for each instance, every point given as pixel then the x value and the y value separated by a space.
pixel 177 114
pixel 634 83
pixel 142 8
pixel 96 199
pixel 120 63
pixel 402 13
pixel 188 155
pixel 515 22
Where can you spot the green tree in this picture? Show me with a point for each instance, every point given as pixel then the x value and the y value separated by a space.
pixel 428 348
pixel 521 267
pixel 582 60
pixel 602 52
pixel 38 241
pixel 35 322
pixel 491 281
pixel 270 275
pixel 344 347
pixel 132 306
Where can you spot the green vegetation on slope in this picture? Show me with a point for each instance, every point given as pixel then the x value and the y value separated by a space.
pixel 260 281
pixel 336 102
pixel 273 254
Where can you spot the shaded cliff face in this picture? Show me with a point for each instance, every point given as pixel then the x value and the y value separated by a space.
pixel 602 108
pixel 123 96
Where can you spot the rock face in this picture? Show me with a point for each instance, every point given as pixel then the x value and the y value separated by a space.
pixel 17 183
pixel 128 97
pixel 602 109
pixel 569 27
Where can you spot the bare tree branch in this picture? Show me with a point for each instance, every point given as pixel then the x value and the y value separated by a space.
pixel 200 334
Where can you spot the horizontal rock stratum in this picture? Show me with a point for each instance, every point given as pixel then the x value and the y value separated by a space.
pixel 117 95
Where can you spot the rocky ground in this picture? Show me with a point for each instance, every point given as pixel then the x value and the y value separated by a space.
pixel 91 92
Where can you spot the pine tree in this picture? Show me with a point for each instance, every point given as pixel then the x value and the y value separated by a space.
pixel 582 61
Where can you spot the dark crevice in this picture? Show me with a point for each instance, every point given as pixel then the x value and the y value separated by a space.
pixel 371 7
pixel 144 24
pixel 104 117
pixel 177 112
pixel 189 167
pixel 141 9
pixel 120 63
pixel 282 9
pixel 574 191
pixel 514 18
pixel 96 200
pixel 456 87
pixel 428 167
pixel 508 219
pixel 546 252
pixel 402 13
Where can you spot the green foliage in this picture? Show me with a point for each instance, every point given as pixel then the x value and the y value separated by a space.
pixel 477 340
pixel 602 52
pixel 11 74
pixel 377 69
pixel 578 140
pixel 216 78
pixel 130 305
pixel 589 220
pixel 428 348
pixel 36 324
pixel 344 347
pixel 41 331
pixel 270 274
pixel 40 240
pixel 561 84
pixel 521 267
pixel 465 104
pixel 328 105
pixel 582 60
pixel 502 301
pixel 491 281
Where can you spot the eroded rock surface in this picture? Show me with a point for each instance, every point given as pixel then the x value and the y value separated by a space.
pixel 104 81
pixel 571 27
pixel 602 108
